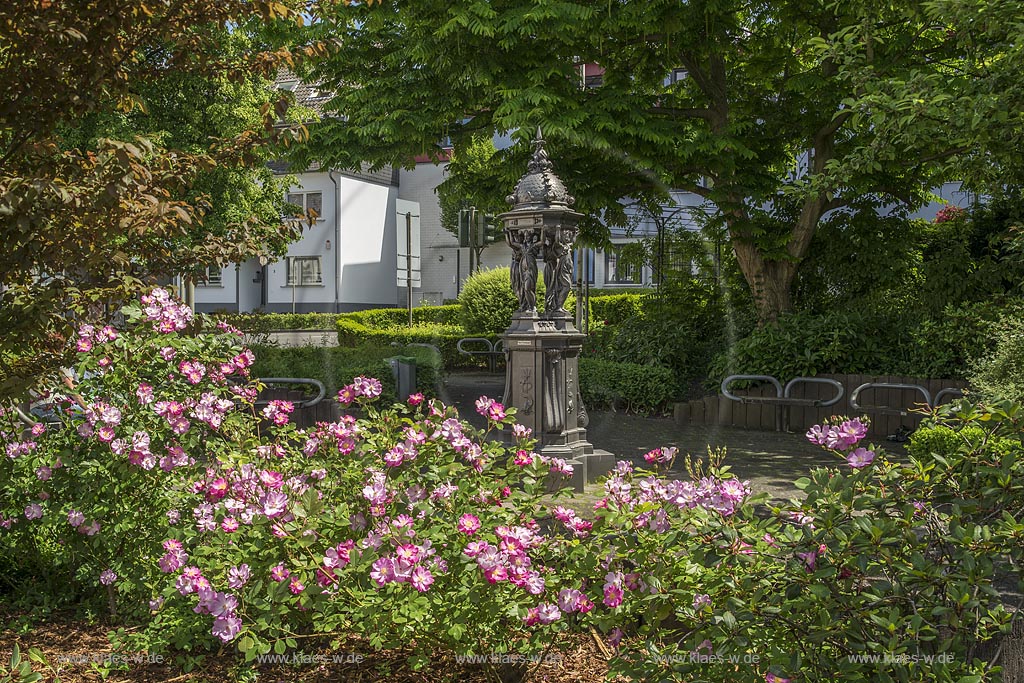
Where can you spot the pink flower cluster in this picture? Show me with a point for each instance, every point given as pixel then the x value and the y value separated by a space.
pixel 544 613
pixel 365 387
pixel 175 557
pixel 211 410
pixel 491 409
pixel 221 606
pixel 509 560
pixel 165 312
pixel 16 449
pixel 723 496
pixel 949 213
pixel 844 437
pixel 410 563
pixel 557 465
pixel 174 413
pixel 278 411
pixel 88 336
pixel 337 557
pixel 661 456
pixel 579 526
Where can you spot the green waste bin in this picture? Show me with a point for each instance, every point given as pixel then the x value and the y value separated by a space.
pixel 403 369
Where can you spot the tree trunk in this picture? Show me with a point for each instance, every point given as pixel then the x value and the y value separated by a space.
pixel 770 281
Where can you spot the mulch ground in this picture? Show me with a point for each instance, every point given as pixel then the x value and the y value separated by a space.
pixel 74 649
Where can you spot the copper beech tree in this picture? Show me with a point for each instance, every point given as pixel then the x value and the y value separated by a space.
pixel 133 142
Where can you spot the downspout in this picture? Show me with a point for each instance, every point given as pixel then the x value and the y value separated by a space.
pixel 337 241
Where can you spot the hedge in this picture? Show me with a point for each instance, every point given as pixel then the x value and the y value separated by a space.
pixel 353 333
pixel 336 366
pixel 639 388
pixel 375 317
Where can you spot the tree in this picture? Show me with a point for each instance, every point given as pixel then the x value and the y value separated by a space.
pixel 766 110
pixel 474 185
pixel 132 139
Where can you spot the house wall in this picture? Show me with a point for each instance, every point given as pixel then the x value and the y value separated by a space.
pixel 368 245
pixel 219 297
pixel 282 297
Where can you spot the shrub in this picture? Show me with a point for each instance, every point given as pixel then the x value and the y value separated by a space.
pixel 374 317
pixel 858 342
pixel 488 303
pixel 337 366
pixel 445 337
pixel 176 502
pixel 999 375
pixel 270 322
pixel 640 388
pixel 613 309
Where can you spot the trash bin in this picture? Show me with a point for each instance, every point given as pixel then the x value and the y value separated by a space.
pixel 403 369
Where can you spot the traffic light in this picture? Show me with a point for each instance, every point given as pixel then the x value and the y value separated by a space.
pixel 478 229
pixel 488 230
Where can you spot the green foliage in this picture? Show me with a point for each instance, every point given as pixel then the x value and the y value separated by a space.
pixel 336 366
pixel 612 309
pixel 639 388
pixel 144 156
pixel 824 115
pixel 999 375
pixel 376 317
pixel 399 317
pixel 352 333
pixel 889 263
pixel 862 342
pixel 488 302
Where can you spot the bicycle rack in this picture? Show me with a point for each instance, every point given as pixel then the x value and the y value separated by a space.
pixel 886 410
pixel 491 350
pixel 948 391
pixel 303 403
pixel 782 399
pixel 421 345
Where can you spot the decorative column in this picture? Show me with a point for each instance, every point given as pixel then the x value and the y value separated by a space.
pixel 543 350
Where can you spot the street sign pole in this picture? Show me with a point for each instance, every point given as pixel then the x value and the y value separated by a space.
pixel 408 262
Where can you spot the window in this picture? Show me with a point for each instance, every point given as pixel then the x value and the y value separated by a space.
pixel 309 203
pixel 304 271
pixel 212 277
pixel 586 256
pixel 288 86
pixel 618 271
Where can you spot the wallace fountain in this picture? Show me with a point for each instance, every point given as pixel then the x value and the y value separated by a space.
pixel 543 350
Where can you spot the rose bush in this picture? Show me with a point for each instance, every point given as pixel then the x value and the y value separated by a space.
pixel 160 486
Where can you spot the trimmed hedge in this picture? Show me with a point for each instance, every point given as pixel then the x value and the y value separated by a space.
pixel 375 317
pixel 639 388
pixel 352 333
pixel 399 317
pixel 269 322
pixel 337 366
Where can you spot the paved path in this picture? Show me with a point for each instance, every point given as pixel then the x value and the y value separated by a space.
pixel 770 460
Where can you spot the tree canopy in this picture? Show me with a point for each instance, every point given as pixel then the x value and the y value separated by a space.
pixel 133 136
pixel 775 113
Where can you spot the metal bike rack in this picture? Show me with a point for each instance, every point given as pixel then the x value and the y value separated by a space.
pixel 421 345
pixel 948 391
pixel 303 403
pixel 783 400
pixel 886 410
pixel 490 349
